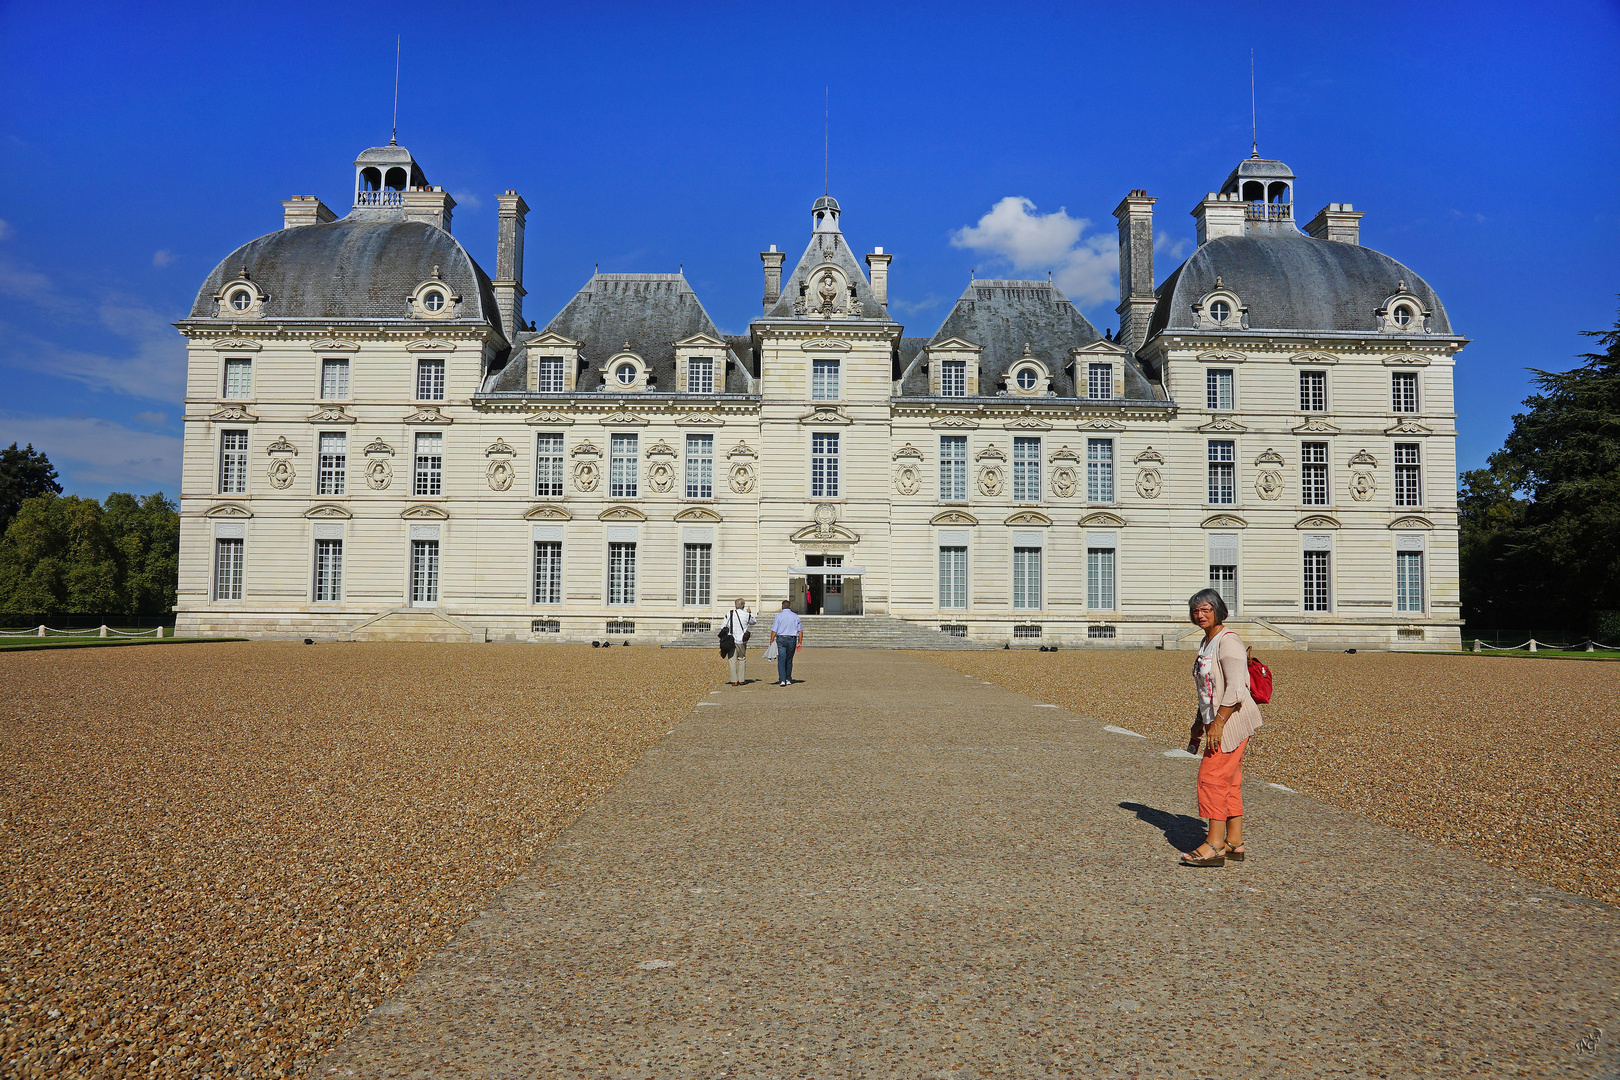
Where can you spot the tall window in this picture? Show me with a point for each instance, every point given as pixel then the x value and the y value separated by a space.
pixel 328 570
pixel 700 375
pixel 1100 381
pixel 1313 473
pixel 428 474
pixel 1218 389
pixel 335 380
pixel 332 470
pixel 824 464
pixel 621 573
pixel 1026 577
pixel 953 378
pixel 1408 475
pixel 430 380
pixel 700 466
pixel 953 577
pixel 1100 470
pixel 1403 386
pixel 1409 581
pixel 228 569
pixel 548 571
pixel 1026 478
pixel 1313 391
pixel 1317 566
pixel 1100 579
pixel 1223 579
pixel 550 376
pixel 548 465
pixel 623 466
pixel 424 571
pixel 697 575
pixel 233 462
pixel 824 380
pixel 953 468
pixel 1222 472
pixel 238 377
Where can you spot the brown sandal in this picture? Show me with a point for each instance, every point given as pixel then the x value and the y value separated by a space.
pixel 1217 859
pixel 1233 853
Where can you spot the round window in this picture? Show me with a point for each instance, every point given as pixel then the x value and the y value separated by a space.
pixel 241 299
pixel 1220 310
pixel 1403 315
pixel 434 301
pixel 626 374
pixel 1026 379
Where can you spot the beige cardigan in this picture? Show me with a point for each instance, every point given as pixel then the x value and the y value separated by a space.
pixel 1230 674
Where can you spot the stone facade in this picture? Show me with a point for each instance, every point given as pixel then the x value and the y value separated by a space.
pixel 377 445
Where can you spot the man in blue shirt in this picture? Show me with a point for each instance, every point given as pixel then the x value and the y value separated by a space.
pixel 786 632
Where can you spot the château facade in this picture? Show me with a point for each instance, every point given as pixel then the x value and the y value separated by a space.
pixel 379 445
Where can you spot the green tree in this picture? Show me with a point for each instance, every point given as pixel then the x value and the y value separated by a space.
pixel 146 534
pixel 57 559
pixel 1550 559
pixel 23 474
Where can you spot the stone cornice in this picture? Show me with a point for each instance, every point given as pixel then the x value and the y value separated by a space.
pixel 670 406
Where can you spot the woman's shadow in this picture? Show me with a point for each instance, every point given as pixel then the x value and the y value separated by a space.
pixel 1184 833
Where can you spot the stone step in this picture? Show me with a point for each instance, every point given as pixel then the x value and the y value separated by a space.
pixel 849 632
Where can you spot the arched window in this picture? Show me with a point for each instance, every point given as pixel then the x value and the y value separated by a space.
pixel 396 179
pixel 371 178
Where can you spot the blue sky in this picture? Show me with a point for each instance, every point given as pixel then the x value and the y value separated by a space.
pixel 143 142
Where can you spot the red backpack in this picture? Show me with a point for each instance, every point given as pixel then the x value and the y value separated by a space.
pixel 1259 680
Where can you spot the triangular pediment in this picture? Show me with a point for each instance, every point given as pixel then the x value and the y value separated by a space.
pixel 699 341
pixel 1102 347
pixel 953 344
pixel 552 338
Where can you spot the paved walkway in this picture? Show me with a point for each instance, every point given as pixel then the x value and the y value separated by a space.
pixel 894 870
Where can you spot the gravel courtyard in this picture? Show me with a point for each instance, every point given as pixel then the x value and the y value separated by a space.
pixel 217 858
pixel 1513 759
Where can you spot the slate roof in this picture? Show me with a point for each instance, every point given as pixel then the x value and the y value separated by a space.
pixel 356 268
pixel 826 247
pixel 1001 317
pixel 649 311
pixel 1292 282
pixel 1256 168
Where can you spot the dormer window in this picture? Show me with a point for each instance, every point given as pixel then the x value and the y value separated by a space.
pixel 433 300
pixel 1027 379
pixel 1220 311
pixel 1403 313
pixel 241 300
pixel 625 374
pixel 1402 316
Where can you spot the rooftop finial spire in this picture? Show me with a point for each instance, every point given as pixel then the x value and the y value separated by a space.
pixel 826 140
pixel 393 135
pixel 1254 123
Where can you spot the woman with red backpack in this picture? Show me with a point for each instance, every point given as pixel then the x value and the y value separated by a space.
pixel 1227 716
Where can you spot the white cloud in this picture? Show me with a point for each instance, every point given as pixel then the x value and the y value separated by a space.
pixel 91 452
pixel 1174 250
pixel 911 307
pixel 163 258
pixel 469 199
pixel 152 419
pixel 1085 268
pixel 6 229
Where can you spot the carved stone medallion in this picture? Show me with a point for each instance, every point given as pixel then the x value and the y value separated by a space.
pixel 587 474
pixel 991 479
pixel 1363 486
pixel 1149 483
pixel 907 478
pixel 741 477
pixel 500 473
pixel 281 473
pixel 1269 485
pixel 1064 482
pixel 660 476
pixel 378 473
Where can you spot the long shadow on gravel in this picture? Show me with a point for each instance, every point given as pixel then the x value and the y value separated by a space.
pixel 1183 832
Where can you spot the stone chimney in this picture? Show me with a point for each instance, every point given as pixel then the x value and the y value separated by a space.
pixel 1220 215
pixel 1135 214
pixel 428 204
pixel 304 210
pixel 878 264
pixel 773 275
pixel 1337 221
pixel 508 281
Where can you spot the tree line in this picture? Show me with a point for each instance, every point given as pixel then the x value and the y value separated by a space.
pixel 67 555
pixel 1539 526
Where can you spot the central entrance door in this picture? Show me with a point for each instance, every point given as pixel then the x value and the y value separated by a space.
pixel 826 591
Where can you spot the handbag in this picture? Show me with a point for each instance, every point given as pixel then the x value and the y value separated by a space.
pixel 1259 681
pixel 770 651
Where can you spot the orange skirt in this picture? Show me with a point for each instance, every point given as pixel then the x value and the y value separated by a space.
pixel 1220 784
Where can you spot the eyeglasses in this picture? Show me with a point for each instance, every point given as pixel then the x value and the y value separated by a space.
pixel 1201 608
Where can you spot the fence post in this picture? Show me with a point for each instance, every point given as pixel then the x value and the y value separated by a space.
pixel 1532 644
pixel 1477 644
pixel 1588 644
pixel 160 631
pixel 41 629
pixel 103 630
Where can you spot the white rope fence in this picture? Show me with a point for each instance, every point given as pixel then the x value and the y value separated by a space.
pixel 102 631
pixel 1532 645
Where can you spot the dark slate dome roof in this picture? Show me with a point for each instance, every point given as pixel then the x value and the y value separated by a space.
pixel 1293 283
pixel 355 268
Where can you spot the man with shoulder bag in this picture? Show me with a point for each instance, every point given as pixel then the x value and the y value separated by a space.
pixel 734 631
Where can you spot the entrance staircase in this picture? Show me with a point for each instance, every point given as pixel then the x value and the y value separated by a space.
pixel 414 624
pixel 845 632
